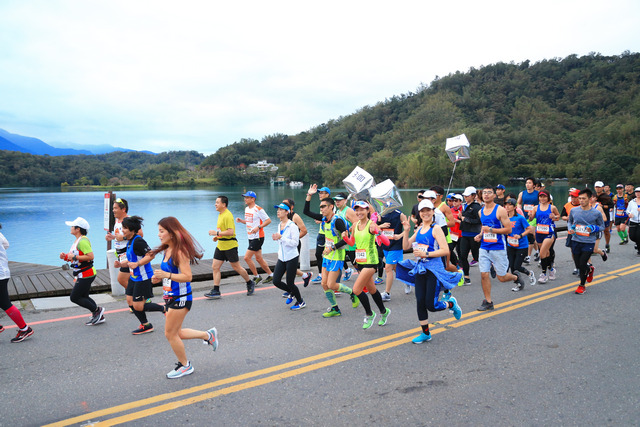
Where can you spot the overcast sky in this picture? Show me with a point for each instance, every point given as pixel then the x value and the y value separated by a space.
pixel 199 75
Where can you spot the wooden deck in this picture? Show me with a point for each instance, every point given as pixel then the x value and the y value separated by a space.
pixel 37 280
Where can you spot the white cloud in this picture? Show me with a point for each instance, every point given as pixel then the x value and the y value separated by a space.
pixel 199 75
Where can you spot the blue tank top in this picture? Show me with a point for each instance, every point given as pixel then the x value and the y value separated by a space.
pixel 491 241
pixel 518 225
pixel 427 239
pixel 140 273
pixel 529 201
pixel 393 218
pixel 545 224
pixel 173 289
pixel 621 206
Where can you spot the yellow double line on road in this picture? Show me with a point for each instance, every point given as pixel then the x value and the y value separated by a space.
pixel 286 370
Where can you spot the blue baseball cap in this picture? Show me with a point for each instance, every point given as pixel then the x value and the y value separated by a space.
pixel 501 187
pixel 325 189
pixel 283 206
pixel 249 194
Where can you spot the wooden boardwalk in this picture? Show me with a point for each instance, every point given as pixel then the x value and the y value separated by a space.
pixel 37 280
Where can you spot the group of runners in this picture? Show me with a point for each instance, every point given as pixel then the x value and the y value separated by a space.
pixel 502 233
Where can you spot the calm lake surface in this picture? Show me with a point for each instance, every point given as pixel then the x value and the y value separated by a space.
pixel 33 219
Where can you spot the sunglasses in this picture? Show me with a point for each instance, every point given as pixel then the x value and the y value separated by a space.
pixel 323 206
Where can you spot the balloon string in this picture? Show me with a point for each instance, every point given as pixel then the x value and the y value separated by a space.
pixel 451 180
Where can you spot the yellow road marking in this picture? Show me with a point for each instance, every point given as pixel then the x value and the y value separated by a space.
pixel 332 357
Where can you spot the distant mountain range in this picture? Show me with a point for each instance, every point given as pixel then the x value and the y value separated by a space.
pixel 26 144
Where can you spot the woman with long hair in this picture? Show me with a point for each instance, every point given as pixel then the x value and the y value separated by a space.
pixel 545 215
pixel 288 237
pixel 180 251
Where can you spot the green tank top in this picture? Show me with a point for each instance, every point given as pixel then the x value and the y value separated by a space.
pixel 337 254
pixel 343 214
pixel 366 251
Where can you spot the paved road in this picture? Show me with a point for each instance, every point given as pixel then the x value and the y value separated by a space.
pixel 545 356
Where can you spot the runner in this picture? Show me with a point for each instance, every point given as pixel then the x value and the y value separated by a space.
pixel 495 224
pixel 469 227
pixel 527 200
pixel 633 210
pixel 323 193
pixel 180 250
pixel 364 233
pixel 256 219
pixel 571 204
pixel 456 211
pixel 332 227
pixel 24 330
pixel 428 242
pixel 500 199
pixel 544 215
pixel 449 222
pixel 415 213
pixel 517 243
pixel 583 225
pixel 288 237
pixel 120 211
pixel 607 205
pixel 347 214
pixel 81 258
pixel 620 202
pixel 597 205
pixel 139 289
pixel 297 220
pixel 391 225
pixel 226 250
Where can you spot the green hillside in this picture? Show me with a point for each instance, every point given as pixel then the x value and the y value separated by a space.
pixel 576 118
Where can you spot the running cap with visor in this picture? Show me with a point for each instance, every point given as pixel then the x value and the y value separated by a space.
pixel 599 184
pixel 469 191
pixel 425 204
pixel 78 222
pixel 250 194
pixel 361 204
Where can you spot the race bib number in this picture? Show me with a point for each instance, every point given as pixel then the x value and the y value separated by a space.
pixel 583 230
pixel 621 213
pixel 528 208
pixel 454 237
pixel 490 238
pixel 389 232
pixel 122 257
pixel 421 247
pixel 512 241
pixel 166 284
pixel 542 229
pixel 361 255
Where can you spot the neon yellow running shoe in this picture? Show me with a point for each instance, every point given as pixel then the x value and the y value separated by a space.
pixel 355 301
pixel 332 312
pixel 368 321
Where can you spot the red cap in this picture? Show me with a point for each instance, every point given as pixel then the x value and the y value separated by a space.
pixel 574 193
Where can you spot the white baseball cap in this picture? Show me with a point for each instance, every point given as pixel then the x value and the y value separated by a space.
pixel 458 196
pixel 429 194
pixel 637 189
pixel 78 222
pixel 469 191
pixel 599 184
pixel 425 204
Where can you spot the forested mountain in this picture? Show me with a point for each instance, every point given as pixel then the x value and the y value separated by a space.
pixel 28 170
pixel 576 118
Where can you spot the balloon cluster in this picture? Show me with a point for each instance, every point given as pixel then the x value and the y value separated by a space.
pixel 384 197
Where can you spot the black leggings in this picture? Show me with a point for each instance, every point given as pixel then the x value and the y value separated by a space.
pixel 80 294
pixel 467 244
pixel 634 233
pixel 427 292
pixel 516 257
pixel 452 254
pixel 581 252
pixel 290 268
pixel 5 302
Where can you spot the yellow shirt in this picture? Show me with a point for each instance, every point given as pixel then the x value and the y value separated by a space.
pixel 225 222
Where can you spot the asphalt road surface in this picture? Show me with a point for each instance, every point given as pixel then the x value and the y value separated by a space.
pixel 544 356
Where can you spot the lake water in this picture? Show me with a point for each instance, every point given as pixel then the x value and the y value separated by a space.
pixel 33 219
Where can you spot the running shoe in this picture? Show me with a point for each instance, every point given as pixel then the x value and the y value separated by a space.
pixel 446 296
pixel 456 310
pixel 97 315
pixel 422 338
pixel 355 301
pixel 378 281
pixel 214 294
pixel 285 295
pixel 23 335
pixel 181 371
pixel 527 260
pixel 306 279
pixel 590 275
pixel 299 305
pixel 467 281
pixel 317 280
pixel 332 312
pixel 576 272
pixel 213 338
pixel 604 256
pixel 385 296
pixel 385 316
pixel 552 274
pixel 536 256
pixel 607 249
pixel 485 306
pixel 581 290
pixel 622 242
pixel 519 282
pixel 368 321
pixel 101 320
pixel 473 263
pixel 268 279
pixel 1 328
pixel 251 287
pixel 543 278
pixel 347 274
pixel 492 271
pixel 257 280
pixel 532 278
pixel 461 282
pixel 407 289
pixel 143 329
pixel 289 299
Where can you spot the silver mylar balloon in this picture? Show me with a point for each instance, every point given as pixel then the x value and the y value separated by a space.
pixel 457 148
pixel 385 197
pixel 358 180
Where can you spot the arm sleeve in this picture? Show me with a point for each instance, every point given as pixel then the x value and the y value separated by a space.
pixel 140 247
pixel 341 227
pixel 307 211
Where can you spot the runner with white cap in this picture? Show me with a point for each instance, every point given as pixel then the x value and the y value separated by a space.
pixel 633 210
pixel 81 258
pixel 470 226
pixel 607 206
pixel 256 219
pixel 620 203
